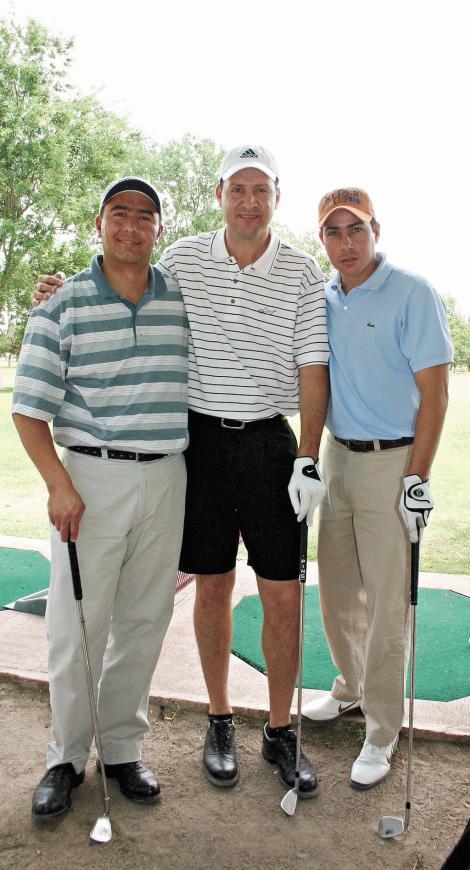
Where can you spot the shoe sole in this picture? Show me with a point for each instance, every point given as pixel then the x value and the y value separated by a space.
pixel 221 783
pixel 361 786
pixel 303 795
pixel 46 817
pixel 355 706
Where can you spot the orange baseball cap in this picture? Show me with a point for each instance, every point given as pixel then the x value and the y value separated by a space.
pixel 353 199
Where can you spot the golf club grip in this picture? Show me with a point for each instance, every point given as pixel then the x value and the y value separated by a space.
pixel 77 584
pixel 303 552
pixel 414 573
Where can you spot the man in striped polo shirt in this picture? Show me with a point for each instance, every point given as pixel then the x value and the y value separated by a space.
pixel 106 362
pixel 258 351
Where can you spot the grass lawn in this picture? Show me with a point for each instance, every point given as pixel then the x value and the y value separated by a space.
pixel 446 544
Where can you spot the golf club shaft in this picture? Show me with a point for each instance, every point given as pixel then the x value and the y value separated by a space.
pixel 414 601
pixel 302 580
pixel 77 588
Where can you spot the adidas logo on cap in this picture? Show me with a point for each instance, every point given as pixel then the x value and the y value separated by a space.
pixel 249 157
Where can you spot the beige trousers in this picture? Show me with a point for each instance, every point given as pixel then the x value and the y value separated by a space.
pixel 128 550
pixel 364 578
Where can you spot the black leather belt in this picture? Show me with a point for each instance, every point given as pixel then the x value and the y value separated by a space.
pixel 228 423
pixel 378 444
pixel 118 454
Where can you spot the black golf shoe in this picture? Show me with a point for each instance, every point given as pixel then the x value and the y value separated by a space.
pixel 53 795
pixel 219 762
pixel 280 750
pixel 136 781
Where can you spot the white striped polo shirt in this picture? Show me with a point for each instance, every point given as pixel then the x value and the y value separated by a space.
pixel 108 372
pixel 251 329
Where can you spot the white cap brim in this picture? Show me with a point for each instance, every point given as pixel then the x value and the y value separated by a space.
pixel 249 164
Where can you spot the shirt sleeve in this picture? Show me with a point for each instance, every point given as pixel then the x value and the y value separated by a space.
pixel 425 338
pixel 310 334
pixel 168 263
pixel 40 383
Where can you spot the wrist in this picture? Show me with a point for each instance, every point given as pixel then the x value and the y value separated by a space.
pixel 58 480
pixel 422 473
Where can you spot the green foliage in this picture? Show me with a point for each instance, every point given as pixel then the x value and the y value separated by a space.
pixel 11 340
pixel 460 331
pixel 57 153
pixel 306 242
pixel 186 172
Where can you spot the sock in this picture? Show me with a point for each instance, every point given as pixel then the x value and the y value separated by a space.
pixel 220 717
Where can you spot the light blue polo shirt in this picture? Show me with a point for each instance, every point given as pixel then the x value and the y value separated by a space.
pixel 381 333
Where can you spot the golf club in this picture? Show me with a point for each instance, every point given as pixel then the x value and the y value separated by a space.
pixel 390 826
pixel 101 830
pixel 289 801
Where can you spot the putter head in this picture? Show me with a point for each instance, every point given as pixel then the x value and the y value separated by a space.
pixel 101 830
pixel 390 826
pixel 289 802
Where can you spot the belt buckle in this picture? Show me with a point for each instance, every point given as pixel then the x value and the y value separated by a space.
pixel 226 424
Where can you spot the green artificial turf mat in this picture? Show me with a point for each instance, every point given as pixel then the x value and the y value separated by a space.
pixel 442 643
pixel 21 573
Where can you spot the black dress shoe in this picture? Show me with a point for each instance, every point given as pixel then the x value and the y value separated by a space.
pixel 136 781
pixel 219 761
pixel 53 796
pixel 280 750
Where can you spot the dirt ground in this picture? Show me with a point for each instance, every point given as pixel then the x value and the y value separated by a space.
pixel 196 826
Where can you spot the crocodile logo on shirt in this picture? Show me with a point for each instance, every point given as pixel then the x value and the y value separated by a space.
pixel 371 324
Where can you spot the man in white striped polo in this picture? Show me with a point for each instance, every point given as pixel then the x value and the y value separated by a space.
pixel 258 351
pixel 106 362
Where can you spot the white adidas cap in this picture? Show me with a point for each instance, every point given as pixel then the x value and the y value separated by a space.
pixel 248 157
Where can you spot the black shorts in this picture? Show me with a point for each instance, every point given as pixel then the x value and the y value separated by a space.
pixel 237 482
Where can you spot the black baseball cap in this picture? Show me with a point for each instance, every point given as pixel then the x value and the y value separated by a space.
pixel 136 185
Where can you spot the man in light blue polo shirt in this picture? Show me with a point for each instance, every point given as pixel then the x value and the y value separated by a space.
pixel 390 351
pixel 106 361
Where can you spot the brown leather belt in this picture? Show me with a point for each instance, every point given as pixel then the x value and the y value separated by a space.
pixel 378 444
pixel 105 453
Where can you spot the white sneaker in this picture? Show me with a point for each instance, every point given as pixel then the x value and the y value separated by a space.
pixel 372 764
pixel 328 708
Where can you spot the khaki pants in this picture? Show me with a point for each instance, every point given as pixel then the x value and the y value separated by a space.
pixel 128 550
pixel 364 578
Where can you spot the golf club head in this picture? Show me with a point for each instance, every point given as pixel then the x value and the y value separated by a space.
pixel 289 802
pixel 101 830
pixel 390 826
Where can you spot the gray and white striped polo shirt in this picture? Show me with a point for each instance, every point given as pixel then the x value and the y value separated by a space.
pixel 108 372
pixel 250 329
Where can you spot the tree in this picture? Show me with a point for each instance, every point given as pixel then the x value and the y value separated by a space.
pixel 306 242
pixel 460 331
pixel 57 153
pixel 186 173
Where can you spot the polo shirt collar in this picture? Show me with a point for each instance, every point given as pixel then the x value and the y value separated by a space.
pixel 104 287
pixel 262 265
pixel 373 282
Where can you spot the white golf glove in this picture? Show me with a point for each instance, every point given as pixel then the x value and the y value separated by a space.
pixel 415 505
pixel 306 488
